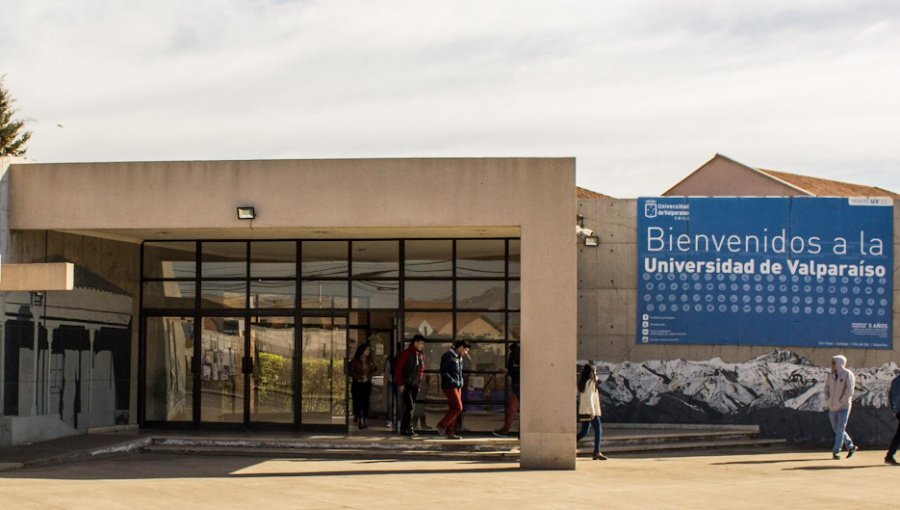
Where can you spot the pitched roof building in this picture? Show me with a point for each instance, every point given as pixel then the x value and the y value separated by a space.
pixel 723 176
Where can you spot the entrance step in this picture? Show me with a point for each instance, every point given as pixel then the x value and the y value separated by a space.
pixel 337 453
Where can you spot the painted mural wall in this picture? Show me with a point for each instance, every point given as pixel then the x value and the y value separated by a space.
pixel 776 387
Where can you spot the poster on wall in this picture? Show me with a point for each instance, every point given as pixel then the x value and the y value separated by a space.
pixel 792 271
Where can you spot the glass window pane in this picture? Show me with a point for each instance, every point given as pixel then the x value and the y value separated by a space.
pixel 221 374
pixel 324 294
pixel 429 294
pixel 482 257
pixel 170 378
pixel 486 357
pixel 514 325
pixel 376 294
pixel 515 295
pixel 324 390
pixel 274 259
pixel 429 259
pixel 170 295
pixel 272 380
pixel 223 294
pixel 324 259
pixel 170 260
pixel 431 325
pixel 433 352
pixel 484 295
pixel 515 254
pixel 273 294
pixel 224 260
pixel 487 388
pixel 376 259
pixel 480 326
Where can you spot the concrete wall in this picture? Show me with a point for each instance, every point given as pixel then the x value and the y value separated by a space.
pixel 198 199
pixel 724 177
pixel 635 391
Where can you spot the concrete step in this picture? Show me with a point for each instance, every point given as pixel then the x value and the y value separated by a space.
pixel 682 446
pixel 672 437
pixel 337 453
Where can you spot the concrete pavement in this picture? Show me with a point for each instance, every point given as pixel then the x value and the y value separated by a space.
pixel 735 480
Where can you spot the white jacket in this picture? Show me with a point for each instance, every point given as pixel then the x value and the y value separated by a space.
pixel 839 386
pixel 590 400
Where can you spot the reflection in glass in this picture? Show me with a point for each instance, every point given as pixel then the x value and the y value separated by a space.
pixel 486 357
pixel 489 390
pixel 324 259
pixel 324 347
pixel 324 294
pixel 223 294
pixel 429 259
pixel 514 325
pixel 221 375
pixel 273 259
pixel 433 353
pixel 514 301
pixel 431 325
pixel 429 294
pixel 515 251
pixel 480 326
pixel 170 260
pixel 482 257
pixel 170 378
pixel 170 294
pixel 376 294
pixel 272 380
pixel 224 260
pixel 483 295
pixel 273 294
pixel 376 259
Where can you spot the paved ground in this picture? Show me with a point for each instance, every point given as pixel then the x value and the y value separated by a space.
pixel 735 480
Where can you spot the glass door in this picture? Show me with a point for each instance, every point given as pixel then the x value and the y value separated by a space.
pixel 222 370
pixel 272 363
pixel 324 356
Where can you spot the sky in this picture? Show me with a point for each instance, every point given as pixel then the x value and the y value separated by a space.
pixel 641 93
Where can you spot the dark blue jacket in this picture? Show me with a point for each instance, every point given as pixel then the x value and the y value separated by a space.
pixel 451 370
pixel 895 395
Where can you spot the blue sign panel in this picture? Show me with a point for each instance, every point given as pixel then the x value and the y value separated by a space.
pixel 799 271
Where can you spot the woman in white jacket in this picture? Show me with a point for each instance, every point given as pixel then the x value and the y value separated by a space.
pixel 839 398
pixel 589 408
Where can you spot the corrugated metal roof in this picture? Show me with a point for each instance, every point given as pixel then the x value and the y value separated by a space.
pixel 586 193
pixel 85 279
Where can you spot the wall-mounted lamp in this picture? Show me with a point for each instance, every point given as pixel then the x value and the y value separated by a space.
pixel 246 213
pixel 592 241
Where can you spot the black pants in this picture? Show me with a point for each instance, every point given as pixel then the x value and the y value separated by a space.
pixel 409 404
pixel 896 441
pixel 362 393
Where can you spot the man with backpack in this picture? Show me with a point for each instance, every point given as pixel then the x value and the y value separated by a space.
pixel 409 373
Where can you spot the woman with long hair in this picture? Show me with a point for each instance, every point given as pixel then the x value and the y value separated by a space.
pixel 589 408
pixel 362 369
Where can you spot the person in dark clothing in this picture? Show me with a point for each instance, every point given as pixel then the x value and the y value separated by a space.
pixel 409 373
pixel 451 384
pixel 362 369
pixel 512 371
pixel 894 396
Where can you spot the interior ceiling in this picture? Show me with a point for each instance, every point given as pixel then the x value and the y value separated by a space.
pixel 140 235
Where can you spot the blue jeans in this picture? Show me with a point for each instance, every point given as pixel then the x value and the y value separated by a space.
pixel 598 430
pixel 839 425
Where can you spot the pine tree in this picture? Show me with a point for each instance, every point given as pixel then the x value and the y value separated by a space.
pixel 12 138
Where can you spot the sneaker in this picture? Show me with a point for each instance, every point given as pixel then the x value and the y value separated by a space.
pixel 499 433
pixel 891 462
pixel 453 436
pixel 835 456
pixel 851 451
pixel 389 424
pixel 442 432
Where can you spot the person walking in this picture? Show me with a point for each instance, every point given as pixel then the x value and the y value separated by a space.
pixel 362 369
pixel 451 385
pixel 894 396
pixel 409 374
pixel 512 370
pixel 389 390
pixel 839 398
pixel 589 407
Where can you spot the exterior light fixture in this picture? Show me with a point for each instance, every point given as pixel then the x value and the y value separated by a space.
pixel 592 241
pixel 246 213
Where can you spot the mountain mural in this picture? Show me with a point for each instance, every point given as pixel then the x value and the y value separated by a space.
pixel 779 391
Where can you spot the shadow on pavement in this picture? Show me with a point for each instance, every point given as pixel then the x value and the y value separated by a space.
pixel 775 461
pixel 829 468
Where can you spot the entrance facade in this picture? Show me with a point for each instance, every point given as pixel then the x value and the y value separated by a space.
pixel 250 335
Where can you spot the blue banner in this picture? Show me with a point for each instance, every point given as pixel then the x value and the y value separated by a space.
pixel 797 271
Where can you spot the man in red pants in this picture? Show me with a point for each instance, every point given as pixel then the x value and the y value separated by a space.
pixel 452 383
